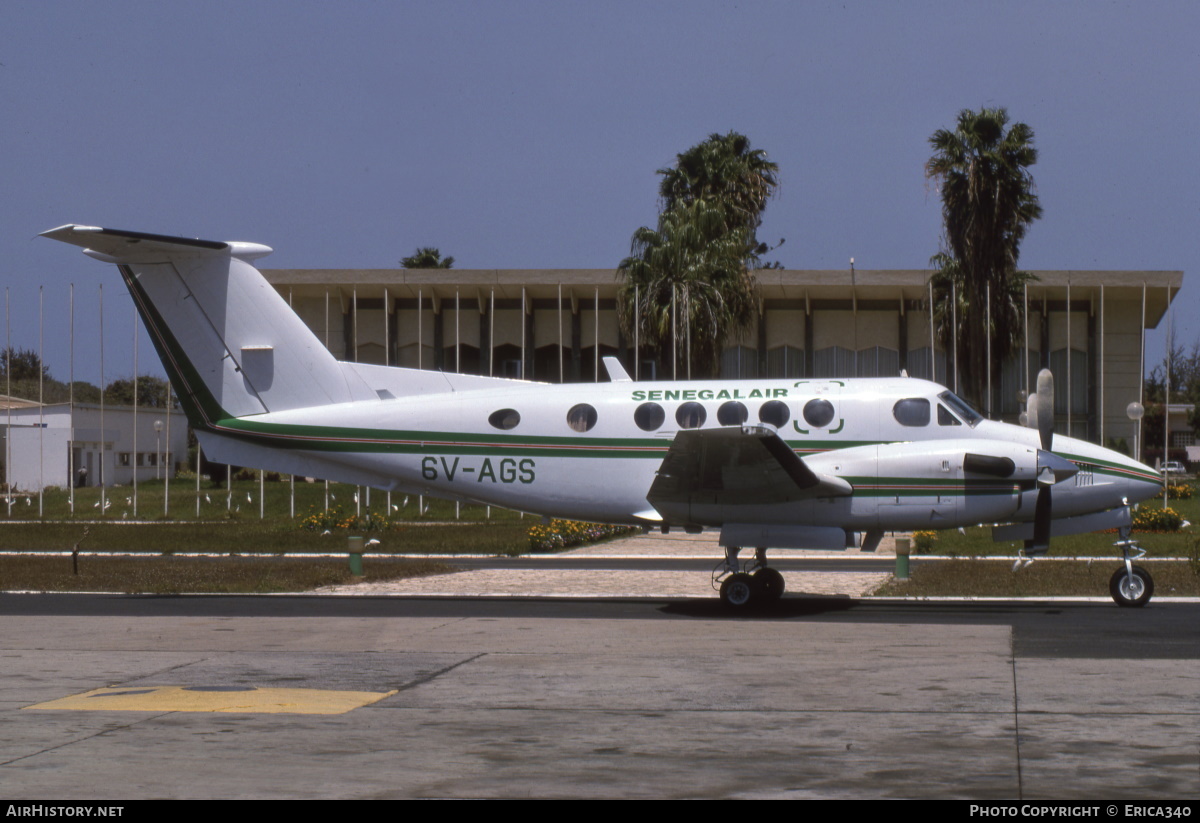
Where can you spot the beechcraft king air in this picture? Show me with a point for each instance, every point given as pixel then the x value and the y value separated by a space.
pixel 806 464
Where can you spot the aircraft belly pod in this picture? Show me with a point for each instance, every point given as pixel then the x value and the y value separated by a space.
pixel 830 458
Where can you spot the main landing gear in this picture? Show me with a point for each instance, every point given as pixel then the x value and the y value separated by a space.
pixel 754 586
pixel 1131 585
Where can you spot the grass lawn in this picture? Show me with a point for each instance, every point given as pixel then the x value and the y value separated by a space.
pixel 229 524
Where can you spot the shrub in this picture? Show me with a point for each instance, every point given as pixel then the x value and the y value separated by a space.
pixel 1155 519
pixel 923 541
pixel 1180 491
pixel 335 518
pixel 562 534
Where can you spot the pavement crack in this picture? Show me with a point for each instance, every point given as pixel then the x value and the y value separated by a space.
pixel 85 738
pixel 421 681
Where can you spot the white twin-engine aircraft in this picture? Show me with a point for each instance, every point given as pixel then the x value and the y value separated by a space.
pixel 806 464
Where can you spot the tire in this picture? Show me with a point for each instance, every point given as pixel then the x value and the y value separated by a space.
pixel 770 581
pixel 740 592
pixel 1132 593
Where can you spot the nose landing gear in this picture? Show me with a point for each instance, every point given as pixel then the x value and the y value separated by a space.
pixel 1130 585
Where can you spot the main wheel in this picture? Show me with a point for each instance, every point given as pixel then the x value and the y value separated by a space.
pixel 740 591
pixel 771 582
pixel 1131 591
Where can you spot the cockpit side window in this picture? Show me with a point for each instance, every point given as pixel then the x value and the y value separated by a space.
pixel 945 418
pixel 960 407
pixel 912 411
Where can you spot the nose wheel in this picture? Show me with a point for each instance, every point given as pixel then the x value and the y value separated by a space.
pixel 1131 586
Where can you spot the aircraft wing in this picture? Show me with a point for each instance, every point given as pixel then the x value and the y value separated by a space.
pixel 736 465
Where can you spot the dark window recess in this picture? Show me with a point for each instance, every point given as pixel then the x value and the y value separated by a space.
pixel 945 418
pixel 732 413
pixel 912 411
pixel 505 419
pixel 582 417
pixel 649 417
pixel 775 413
pixel 690 416
pixel 818 413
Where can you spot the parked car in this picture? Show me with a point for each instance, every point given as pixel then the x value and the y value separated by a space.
pixel 1173 467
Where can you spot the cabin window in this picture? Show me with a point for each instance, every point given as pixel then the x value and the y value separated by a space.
pixel 732 413
pixel 775 413
pixel 649 417
pixel 945 418
pixel 912 411
pixel 505 419
pixel 690 416
pixel 818 412
pixel 582 417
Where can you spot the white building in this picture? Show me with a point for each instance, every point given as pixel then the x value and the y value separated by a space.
pixel 49 446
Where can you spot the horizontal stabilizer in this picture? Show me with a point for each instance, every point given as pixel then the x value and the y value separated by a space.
pixel 122 246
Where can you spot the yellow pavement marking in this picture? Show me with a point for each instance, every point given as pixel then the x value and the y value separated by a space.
pixel 201 699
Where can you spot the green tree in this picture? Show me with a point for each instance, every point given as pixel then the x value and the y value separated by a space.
pixel 691 276
pixel 25 365
pixel 988 203
pixel 427 258
pixel 151 392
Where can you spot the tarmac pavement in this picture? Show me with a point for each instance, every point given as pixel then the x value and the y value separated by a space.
pixel 500 696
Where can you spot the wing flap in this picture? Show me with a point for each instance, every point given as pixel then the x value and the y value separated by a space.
pixel 736 466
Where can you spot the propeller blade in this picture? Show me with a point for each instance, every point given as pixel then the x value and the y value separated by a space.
pixel 1045 408
pixel 1042 517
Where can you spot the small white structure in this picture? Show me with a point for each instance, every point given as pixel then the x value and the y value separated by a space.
pixel 60 445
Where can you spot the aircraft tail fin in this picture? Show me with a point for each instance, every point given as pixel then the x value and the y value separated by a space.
pixel 230 344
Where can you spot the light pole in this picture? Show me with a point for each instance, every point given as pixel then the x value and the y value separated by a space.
pixel 1134 411
pixel 158 427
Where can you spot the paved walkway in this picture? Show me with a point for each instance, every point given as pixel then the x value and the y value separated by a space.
pixel 623 583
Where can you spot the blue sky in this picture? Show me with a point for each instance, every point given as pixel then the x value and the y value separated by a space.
pixel 527 134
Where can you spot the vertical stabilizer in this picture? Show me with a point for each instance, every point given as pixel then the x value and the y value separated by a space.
pixel 230 344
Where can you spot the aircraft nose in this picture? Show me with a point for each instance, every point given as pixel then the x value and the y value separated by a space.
pixel 1141 481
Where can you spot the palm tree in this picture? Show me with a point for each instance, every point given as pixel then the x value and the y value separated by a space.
pixel 988 203
pixel 689 281
pixel 724 169
pixel 427 258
